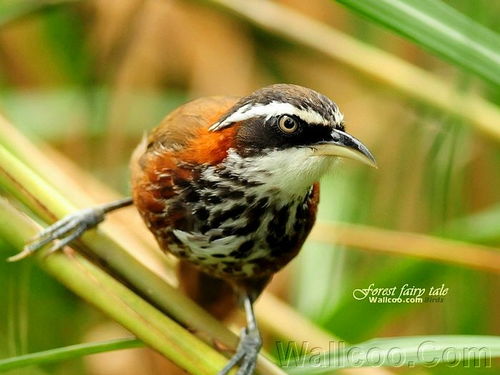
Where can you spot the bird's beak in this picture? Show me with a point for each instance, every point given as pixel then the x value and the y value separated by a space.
pixel 345 146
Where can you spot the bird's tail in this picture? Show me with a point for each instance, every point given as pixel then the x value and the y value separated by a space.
pixel 214 295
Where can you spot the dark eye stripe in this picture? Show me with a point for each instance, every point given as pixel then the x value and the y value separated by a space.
pixel 262 133
pixel 305 135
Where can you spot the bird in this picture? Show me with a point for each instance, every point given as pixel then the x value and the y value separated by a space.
pixel 229 185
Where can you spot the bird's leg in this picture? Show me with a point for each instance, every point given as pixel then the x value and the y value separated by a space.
pixel 70 227
pixel 249 345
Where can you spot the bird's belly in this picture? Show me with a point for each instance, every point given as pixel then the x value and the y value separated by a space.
pixel 225 224
pixel 247 236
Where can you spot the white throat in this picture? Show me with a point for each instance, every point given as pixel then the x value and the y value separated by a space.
pixel 291 171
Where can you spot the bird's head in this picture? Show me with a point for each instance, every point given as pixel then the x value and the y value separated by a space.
pixel 289 136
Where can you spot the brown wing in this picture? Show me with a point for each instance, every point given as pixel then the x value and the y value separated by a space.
pixel 180 126
pixel 182 135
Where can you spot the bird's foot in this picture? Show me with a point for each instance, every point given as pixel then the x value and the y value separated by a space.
pixel 246 353
pixel 65 230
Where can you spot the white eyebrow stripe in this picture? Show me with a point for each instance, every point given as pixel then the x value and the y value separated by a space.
pixel 274 109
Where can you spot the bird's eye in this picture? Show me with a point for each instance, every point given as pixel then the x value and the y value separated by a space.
pixel 288 124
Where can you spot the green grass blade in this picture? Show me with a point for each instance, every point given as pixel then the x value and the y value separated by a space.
pixel 11 11
pixel 429 351
pixel 68 352
pixel 440 29
pixel 479 227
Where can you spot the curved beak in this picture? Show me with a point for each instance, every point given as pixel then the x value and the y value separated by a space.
pixel 346 146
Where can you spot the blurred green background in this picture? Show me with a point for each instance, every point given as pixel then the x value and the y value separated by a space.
pixel 88 78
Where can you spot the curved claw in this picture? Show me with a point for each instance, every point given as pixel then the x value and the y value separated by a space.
pixel 70 228
pixel 66 230
pixel 246 353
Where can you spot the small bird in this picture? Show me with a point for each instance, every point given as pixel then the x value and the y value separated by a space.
pixel 230 186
